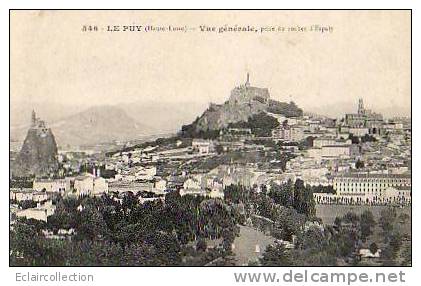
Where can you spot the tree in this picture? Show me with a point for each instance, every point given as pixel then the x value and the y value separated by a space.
pixel 373 248
pixel 262 124
pixel 338 222
pixel 276 255
pixel 303 199
pixel 92 224
pixel 395 242
pixel 26 204
pixel 236 194
pixel 201 245
pixel 282 194
pixel 219 149
pixel 288 222
pixel 354 139
pixel 346 243
pixel 387 219
pixel 368 138
pixel 313 238
pixel 351 217
pixel 359 164
pixel 404 217
pixel 367 222
pixel 228 237
pixel 407 255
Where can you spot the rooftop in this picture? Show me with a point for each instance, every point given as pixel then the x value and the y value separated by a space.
pixel 359 175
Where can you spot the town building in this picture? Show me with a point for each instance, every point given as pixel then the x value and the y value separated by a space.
pixel 52 185
pixel 203 147
pixel 373 187
pixel 320 142
pixel 89 185
pixel 41 212
pixel 339 151
pixel 288 133
pixel 28 195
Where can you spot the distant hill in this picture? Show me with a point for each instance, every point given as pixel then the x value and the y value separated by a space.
pixel 99 124
pixel 150 117
pixel 20 112
pixel 165 117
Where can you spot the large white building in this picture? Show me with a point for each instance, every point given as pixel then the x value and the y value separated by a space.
pixel 373 187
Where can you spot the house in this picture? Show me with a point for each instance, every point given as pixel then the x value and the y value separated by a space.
pixel 146 173
pixel 359 131
pixel 320 142
pixel 28 195
pixel 203 147
pixel 41 212
pixel 160 184
pixel 88 185
pixel 288 133
pixel 339 151
pixel 21 194
pixel 193 183
pixel 366 253
pixel 52 185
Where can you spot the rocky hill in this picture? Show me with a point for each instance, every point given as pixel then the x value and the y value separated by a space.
pixel 244 102
pixel 38 155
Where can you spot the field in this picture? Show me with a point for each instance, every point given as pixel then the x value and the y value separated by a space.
pixel 328 213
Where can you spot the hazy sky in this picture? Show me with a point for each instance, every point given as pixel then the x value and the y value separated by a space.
pixel 367 55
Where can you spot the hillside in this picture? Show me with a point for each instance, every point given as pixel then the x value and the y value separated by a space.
pixel 97 125
pixel 38 155
pixel 244 102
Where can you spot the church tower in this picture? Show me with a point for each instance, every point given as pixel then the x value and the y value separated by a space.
pixel 360 106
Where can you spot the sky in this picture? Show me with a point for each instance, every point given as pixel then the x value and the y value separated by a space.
pixel 366 55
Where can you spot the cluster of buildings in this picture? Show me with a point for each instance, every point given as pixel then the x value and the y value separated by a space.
pixel 363 157
pixel 44 191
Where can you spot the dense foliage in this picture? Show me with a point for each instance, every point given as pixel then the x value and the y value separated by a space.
pixel 261 124
pixel 110 232
pixel 284 108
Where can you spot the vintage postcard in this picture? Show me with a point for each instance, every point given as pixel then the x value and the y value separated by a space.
pixel 210 138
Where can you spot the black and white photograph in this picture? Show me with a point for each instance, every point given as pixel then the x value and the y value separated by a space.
pixel 210 138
